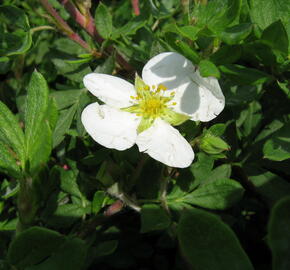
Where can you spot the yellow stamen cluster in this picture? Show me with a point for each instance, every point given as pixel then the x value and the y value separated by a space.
pixel 151 101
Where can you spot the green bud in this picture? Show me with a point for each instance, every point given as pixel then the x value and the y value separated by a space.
pixel 212 144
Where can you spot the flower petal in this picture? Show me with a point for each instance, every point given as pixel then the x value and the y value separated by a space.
pixel 165 144
pixel 111 90
pixel 200 98
pixel 169 69
pixel 110 127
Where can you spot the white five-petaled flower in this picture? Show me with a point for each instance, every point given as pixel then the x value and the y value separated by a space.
pixel 171 92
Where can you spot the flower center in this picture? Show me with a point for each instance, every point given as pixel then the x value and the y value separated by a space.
pixel 151 102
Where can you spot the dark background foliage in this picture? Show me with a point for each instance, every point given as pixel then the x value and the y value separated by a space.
pixel 68 203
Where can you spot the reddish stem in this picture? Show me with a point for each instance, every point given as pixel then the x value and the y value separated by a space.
pixel 135 4
pixel 61 23
pixel 89 25
pixel 85 22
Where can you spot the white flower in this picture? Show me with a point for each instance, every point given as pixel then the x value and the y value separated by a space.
pixel 171 92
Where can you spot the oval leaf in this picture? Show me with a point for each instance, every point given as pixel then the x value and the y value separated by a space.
pixel 208 243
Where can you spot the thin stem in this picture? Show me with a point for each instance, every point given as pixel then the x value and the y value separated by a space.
pixel 40 28
pixel 135 4
pixel 88 24
pixel 65 27
pixel 155 25
pixel 164 179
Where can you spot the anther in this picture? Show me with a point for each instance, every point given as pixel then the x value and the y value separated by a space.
pixel 162 87
pixel 146 87
pixel 172 93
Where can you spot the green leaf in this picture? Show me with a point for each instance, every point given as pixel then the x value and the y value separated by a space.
pixel 279 234
pixel 217 14
pixel 36 106
pixel 201 167
pixel 278 146
pixel 162 9
pixel 8 225
pixel 98 201
pixel 250 119
pixel 71 255
pixel 208 69
pixel 74 72
pixel 218 195
pixel 103 21
pixel 66 98
pixel 276 37
pixel 106 248
pixel 18 40
pixel 187 51
pixel 189 31
pixel 68 183
pixel 108 66
pixel 207 243
pixel 8 163
pixel 271 186
pixel 220 172
pixel 130 27
pixel 265 13
pixel 32 246
pixel 52 113
pixel 12 15
pixel 236 34
pixel 285 88
pixel 226 55
pixel 217 129
pixel 63 124
pixel 65 215
pixel 244 75
pixel 37 129
pixel 15 43
pixel 153 218
pixel 11 134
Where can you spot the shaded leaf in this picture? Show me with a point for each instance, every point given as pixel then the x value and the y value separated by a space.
pixel 153 217
pixel 279 234
pixel 208 243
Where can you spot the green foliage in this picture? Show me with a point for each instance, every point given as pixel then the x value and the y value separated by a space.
pixel 67 202
pixel 11 136
pixel 37 128
pixel 219 194
pixel 16 42
pixel 153 217
pixel 103 20
pixel 278 236
pixel 208 243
